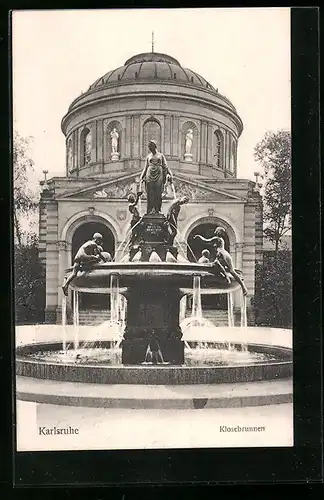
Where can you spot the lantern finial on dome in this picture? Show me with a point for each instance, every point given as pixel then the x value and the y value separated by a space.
pixel 152 41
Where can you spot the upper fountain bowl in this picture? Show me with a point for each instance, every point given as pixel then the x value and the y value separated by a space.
pixel 179 274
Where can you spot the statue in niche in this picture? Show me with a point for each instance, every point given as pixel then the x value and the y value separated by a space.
pixel 114 141
pixel 189 141
pixel 188 145
pixel 88 147
pixel 155 174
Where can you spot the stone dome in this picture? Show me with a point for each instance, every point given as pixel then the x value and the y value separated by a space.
pixel 153 66
pixel 151 96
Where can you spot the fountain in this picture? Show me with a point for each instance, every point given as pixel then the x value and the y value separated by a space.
pixel 144 342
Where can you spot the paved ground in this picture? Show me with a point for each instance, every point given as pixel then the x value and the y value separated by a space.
pixel 154 396
pixel 101 428
pixel 115 428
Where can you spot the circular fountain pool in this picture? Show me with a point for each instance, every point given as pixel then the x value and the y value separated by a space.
pixel 206 363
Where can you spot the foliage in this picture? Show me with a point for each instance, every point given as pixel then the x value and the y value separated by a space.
pixel 24 202
pixel 274 155
pixel 29 283
pixel 273 293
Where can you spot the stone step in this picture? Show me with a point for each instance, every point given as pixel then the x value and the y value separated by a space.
pixel 93 317
pixel 236 395
pixel 217 316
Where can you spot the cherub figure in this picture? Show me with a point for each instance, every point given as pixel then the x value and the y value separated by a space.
pixel 172 217
pixel 205 257
pixel 90 253
pixel 223 259
pixel 136 218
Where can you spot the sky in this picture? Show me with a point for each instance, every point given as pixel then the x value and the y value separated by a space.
pixel 57 54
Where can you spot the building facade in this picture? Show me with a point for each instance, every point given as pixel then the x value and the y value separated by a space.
pixel 107 130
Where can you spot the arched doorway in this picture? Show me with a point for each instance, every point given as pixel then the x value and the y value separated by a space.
pixel 82 234
pixel 195 247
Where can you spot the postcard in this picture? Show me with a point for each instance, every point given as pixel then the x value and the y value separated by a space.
pixel 152 229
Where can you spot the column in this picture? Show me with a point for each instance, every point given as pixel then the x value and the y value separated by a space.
pixel 226 164
pixel 132 136
pixel 77 148
pixel 63 263
pixel 203 142
pixel 128 136
pixel 239 256
pixel 167 136
pixel 51 262
pixel 223 151
pixel 100 141
pixel 42 232
pixel 209 143
pixel 136 137
pixel 249 251
pixel 93 129
pixel 175 136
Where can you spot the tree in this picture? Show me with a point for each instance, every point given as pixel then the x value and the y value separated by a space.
pixel 24 203
pixel 29 279
pixel 274 155
pixel 273 301
pixel 273 297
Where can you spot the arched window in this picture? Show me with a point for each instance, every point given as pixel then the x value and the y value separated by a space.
pixel 151 130
pixel 232 157
pixel 86 146
pixel 218 149
pixel 69 155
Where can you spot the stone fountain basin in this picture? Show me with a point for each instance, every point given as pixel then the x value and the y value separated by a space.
pixel 170 274
pixel 33 382
pixel 91 372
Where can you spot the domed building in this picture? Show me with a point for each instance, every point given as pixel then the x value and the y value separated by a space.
pixel 107 129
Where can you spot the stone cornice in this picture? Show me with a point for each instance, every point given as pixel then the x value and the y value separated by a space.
pixel 201 192
pixel 200 100
pixel 149 81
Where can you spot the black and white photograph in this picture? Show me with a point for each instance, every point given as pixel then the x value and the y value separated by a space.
pixel 152 229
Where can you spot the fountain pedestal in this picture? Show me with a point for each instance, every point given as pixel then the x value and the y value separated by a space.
pixel 152 322
pixel 153 303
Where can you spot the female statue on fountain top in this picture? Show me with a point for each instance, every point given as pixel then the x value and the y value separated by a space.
pixel 155 175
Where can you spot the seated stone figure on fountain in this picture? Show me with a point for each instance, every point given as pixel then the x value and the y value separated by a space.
pixel 90 253
pixel 172 218
pixel 223 260
pixel 205 257
pixel 219 233
pixel 155 174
